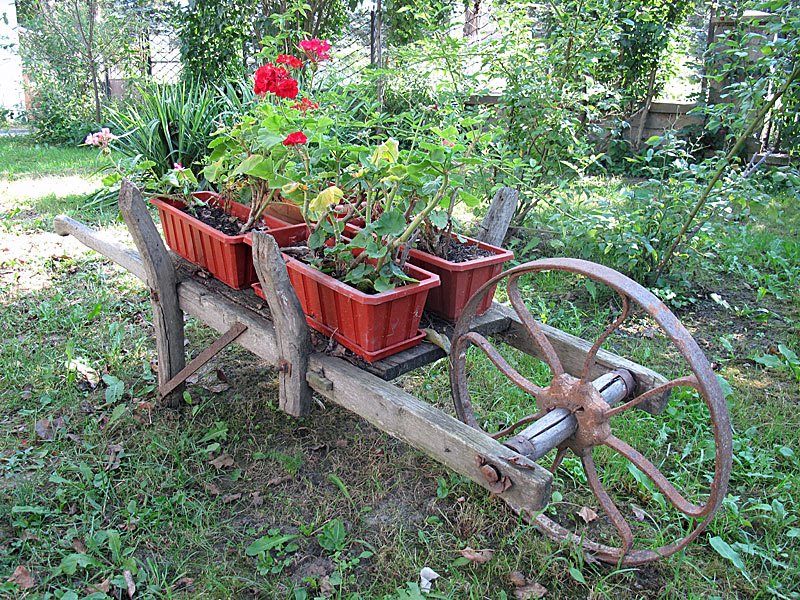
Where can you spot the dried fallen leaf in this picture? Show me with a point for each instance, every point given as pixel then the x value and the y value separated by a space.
pixel 78 546
pixel 22 577
pixel 278 480
pixel 222 461
pixel 221 375
pixel 102 587
pixel 114 451
pixel 44 429
pixel 477 556
pixel 587 514
pixel 217 388
pixel 211 489
pixel 257 499
pixel 517 579
pixel 26 392
pixel 325 587
pixel 131 585
pixel 230 498
pixel 87 376
pixel 426 578
pixel 530 591
pixel 638 513
pixel 144 405
pixel 184 583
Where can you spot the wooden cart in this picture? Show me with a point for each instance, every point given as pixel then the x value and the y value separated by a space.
pixel 572 413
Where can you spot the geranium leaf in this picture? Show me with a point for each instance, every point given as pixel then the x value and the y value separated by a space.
pixel 390 223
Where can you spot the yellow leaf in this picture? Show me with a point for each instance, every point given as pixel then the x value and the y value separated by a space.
pixel 388 151
pixel 327 197
pixel 289 188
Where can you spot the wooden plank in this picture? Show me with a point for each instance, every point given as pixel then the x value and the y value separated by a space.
pixel 671 121
pixel 127 258
pixel 392 367
pixel 494 226
pixel 201 359
pixel 572 351
pixel 203 300
pixel 485 100
pixel 437 434
pixel 292 336
pixel 672 107
pixel 162 281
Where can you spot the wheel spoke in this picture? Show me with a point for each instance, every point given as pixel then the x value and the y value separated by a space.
pixel 502 364
pixel 607 503
pixel 559 458
pixel 649 469
pixel 688 381
pixel 592 355
pixel 532 327
pixel 513 427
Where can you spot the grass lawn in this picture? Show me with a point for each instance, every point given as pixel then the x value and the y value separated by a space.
pixel 102 491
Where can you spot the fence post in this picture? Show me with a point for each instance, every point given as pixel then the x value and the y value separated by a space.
pixel 375 44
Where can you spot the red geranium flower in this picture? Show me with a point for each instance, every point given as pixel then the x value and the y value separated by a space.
pixel 295 139
pixel 291 61
pixel 316 50
pixel 269 77
pixel 287 88
pixel 305 104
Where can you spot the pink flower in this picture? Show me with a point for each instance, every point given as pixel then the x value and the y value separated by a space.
pixel 178 167
pixel 315 49
pixel 295 139
pixel 447 143
pixel 100 138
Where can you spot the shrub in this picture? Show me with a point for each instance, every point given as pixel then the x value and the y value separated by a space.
pixel 61 116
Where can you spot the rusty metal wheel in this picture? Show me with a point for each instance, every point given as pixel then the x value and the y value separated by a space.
pixel 579 400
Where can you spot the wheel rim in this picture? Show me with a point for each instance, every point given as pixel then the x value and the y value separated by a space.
pixel 567 391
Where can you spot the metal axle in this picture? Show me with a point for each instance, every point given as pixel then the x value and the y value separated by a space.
pixel 560 424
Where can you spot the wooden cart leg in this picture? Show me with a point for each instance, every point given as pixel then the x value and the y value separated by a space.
pixel 291 330
pixel 162 281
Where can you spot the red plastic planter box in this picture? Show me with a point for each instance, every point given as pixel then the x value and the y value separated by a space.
pixel 460 280
pixel 373 326
pixel 227 257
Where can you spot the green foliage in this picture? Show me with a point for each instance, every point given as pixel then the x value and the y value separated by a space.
pixel 216 39
pixel 61 113
pixel 274 551
pixel 408 21
pixel 169 124
pixel 747 65
pixel 62 47
pixel 645 30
